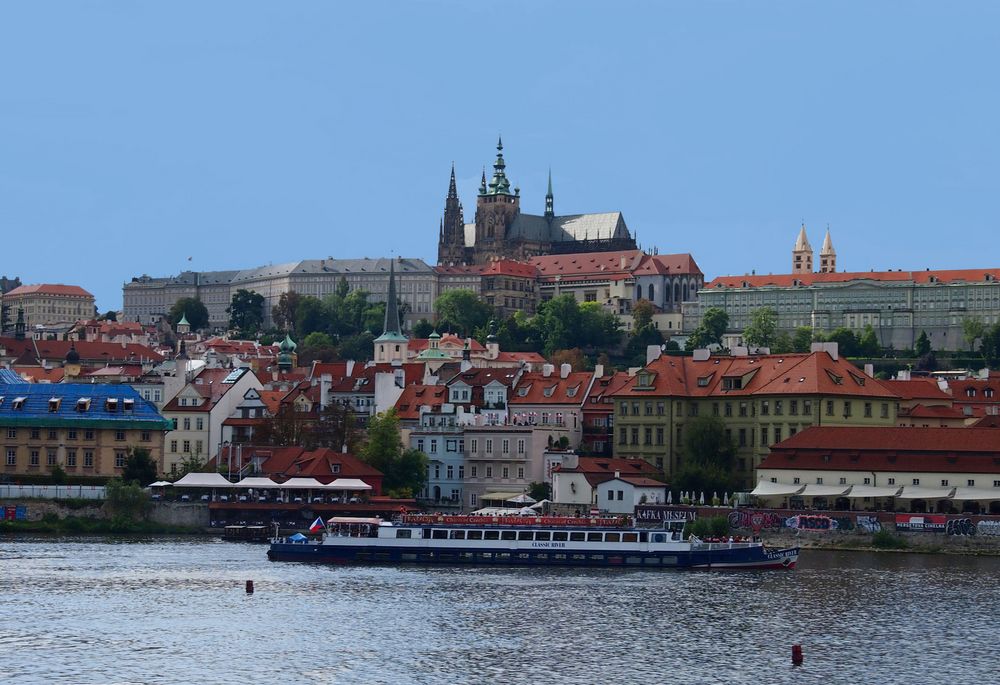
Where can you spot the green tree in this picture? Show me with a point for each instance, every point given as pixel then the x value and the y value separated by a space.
pixel 847 342
pixel 714 323
pixel 193 463
pixel 317 339
pixel 973 329
pixel 574 357
pixel 191 308
pixel 423 329
pixel 310 316
pixel 539 491
pixel 642 314
pixel 709 457
pixel 139 467
pixel 57 474
pixel 868 343
pixel 989 345
pixel 463 309
pixel 284 313
pixel 762 328
pixel 923 345
pixel 358 347
pixel 782 343
pixel 125 500
pixel 246 311
pixel 802 339
pixel 403 470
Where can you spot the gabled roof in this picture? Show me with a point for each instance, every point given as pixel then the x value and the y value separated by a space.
pixel 509 267
pixel 536 388
pixel 211 385
pixel 637 481
pixel 917 389
pixel 414 397
pixel 49 289
pixel 479 377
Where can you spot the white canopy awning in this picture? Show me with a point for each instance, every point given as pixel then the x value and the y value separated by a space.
pixel 348 484
pixel 301 484
pixel 203 480
pixel 159 484
pixel 257 482
pixel 522 499
pixel 978 494
pixel 499 496
pixel 814 490
pixel 917 492
pixel 858 491
pixel 767 489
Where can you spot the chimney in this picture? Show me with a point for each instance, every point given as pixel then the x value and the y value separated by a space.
pixel 350 367
pixel 621 262
pixel 653 353
pixel 325 381
pixel 564 370
pixel 547 370
pixel 870 370
pixel 618 474
pixel 598 370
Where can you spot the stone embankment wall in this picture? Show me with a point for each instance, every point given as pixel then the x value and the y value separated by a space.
pixel 189 514
pixel 37 509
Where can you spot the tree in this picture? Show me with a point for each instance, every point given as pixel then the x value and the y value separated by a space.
pixel 57 475
pixel 125 500
pixel 574 357
pixel 973 329
pixel 868 343
pixel 847 342
pixel 802 339
pixel 190 308
pixel 284 312
pixel 404 471
pixel 423 329
pixel 923 345
pixel 336 427
pixel 246 311
pixel 358 347
pixel 714 323
pixel 310 316
pixel 139 467
pixel 111 315
pixel 191 464
pixel 642 314
pixel 762 328
pixel 989 346
pixel 463 309
pixel 317 339
pixel 709 457
pixel 782 343
pixel 539 491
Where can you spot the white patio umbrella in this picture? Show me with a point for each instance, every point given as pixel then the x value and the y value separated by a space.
pixel 670 497
pixel 702 499
pixel 521 499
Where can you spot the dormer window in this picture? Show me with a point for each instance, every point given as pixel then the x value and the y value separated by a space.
pixel 54 404
pixel 18 403
pixel 83 404
pixel 732 383
pixel 111 404
pixel 128 404
pixel 970 392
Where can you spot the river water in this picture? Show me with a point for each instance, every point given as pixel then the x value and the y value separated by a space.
pixel 175 611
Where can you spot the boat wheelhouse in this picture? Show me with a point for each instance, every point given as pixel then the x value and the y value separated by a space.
pixel 520 540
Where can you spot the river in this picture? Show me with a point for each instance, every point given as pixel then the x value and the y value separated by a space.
pixel 94 611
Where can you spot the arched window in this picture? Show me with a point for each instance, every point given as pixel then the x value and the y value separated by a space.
pixel 677 291
pixel 638 292
pixel 685 292
pixel 651 291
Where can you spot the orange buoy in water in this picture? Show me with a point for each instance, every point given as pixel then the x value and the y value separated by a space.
pixel 797 655
pixel 249 587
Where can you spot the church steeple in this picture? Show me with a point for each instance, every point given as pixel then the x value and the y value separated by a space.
pixel 452 190
pixel 499 185
pixel 802 253
pixel 391 324
pixel 550 201
pixel 391 346
pixel 827 255
pixel 451 241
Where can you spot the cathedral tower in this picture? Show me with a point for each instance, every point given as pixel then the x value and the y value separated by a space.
pixel 802 254
pixel 496 209
pixel 827 255
pixel 451 242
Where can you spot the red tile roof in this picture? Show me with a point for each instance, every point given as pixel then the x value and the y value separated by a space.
pixel 37 374
pixel 513 357
pixel 922 411
pixel 460 269
pixel 637 481
pixel 815 373
pixel 536 388
pixel 509 267
pixel 416 396
pixel 920 277
pixel 448 342
pixel 973 450
pixel 599 469
pixel 917 389
pixel 477 377
pixel 208 384
pixel 49 289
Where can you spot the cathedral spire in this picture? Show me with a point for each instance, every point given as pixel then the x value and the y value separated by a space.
pixel 482 184
pixel 827 255
pixel 549 200
pixel 391 325
pixel 452 189
pixel 499 185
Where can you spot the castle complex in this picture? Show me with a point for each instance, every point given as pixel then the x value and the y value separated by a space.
pixel 502 230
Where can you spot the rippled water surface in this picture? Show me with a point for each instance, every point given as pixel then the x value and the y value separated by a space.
pixel 175 611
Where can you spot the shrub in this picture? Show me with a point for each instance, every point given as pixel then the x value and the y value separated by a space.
pixel 719 526
pixel 883 539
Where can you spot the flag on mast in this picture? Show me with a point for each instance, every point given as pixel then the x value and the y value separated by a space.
pixel 317 525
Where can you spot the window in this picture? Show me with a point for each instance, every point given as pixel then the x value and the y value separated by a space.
pixel 659 409
pixel 763 436
pixel 868 410
pixel 89 434
pixel 434 446
pixel 916 481
pixel 52 435
pixel 728 409
pixel 743 409
pixel 473 471
pixel 187 446
pixel 796 481
pixel 829 407
pixel 71 458
pixel 843 481
pixel 50 458
pixel 520 472
pixel 11 456
pixel 793 407
pixel 765 408
pixel 520 446
pixel 34 458
pixel 819 480
pixel 743 437
pixel 623 408
pixel 807 407
pixel 474 445
pixel 88 459
pixel 647 436
pixel 505 446
pixel 659 436
pixel 635 436
pixel 847 409
pixel 885 410
pixel 892 481
pixel 11 433
pixel 199 424
pixel 506 472
pixel 437 471
pixel 187 424
pixel 35 434
pixel 622 436
pixel 119 460
pixel 489 471
pixel 173 446
pixel 71 434
pixel 868 481
pixel 944 482
pixel 779 408
pixel 611 495
pixel 119 436
pixel 777 433
pixel 489 446
pixel 450 471
pixel 971 483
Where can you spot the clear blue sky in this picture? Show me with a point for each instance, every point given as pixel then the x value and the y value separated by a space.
pixel 134 135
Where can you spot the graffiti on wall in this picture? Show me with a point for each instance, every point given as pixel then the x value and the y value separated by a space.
pixel 868 523
pixel 756 520
pixel 812 522
pixel 989 528
pixel 963 527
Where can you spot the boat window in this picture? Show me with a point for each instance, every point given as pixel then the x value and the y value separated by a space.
pixel 457 535
pixel 560 536
pixel 475 535
pixel 508 535
pixel 643 537
pixel 543 536
pixel 491 535
pixel 525 535
pixel 440 534
pixel 577 537
pixel 659 537
pixel 630 537
pixel 404 533
pixel 612 537
pixel 594 537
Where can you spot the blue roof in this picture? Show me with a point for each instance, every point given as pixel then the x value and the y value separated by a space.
pixel 28 404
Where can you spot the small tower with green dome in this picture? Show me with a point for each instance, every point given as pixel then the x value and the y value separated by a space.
pixel 183 327
pixel 286 354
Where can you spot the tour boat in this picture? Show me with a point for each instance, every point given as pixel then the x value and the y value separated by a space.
pixel 524 540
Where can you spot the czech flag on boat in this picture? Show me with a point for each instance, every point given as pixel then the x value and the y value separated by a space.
pixel 317 525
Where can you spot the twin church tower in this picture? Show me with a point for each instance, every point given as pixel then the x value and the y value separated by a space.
pixel 802 255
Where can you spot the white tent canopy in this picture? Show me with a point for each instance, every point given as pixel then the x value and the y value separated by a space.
pixel 858 491
pixel 348 484
pixel 813 490
pixel 301 484
pixel 522 499
pixel 257 482
pixel 767 489
pixel 917 492
pixel 203 480
pixel 160 484
pixel 977 494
